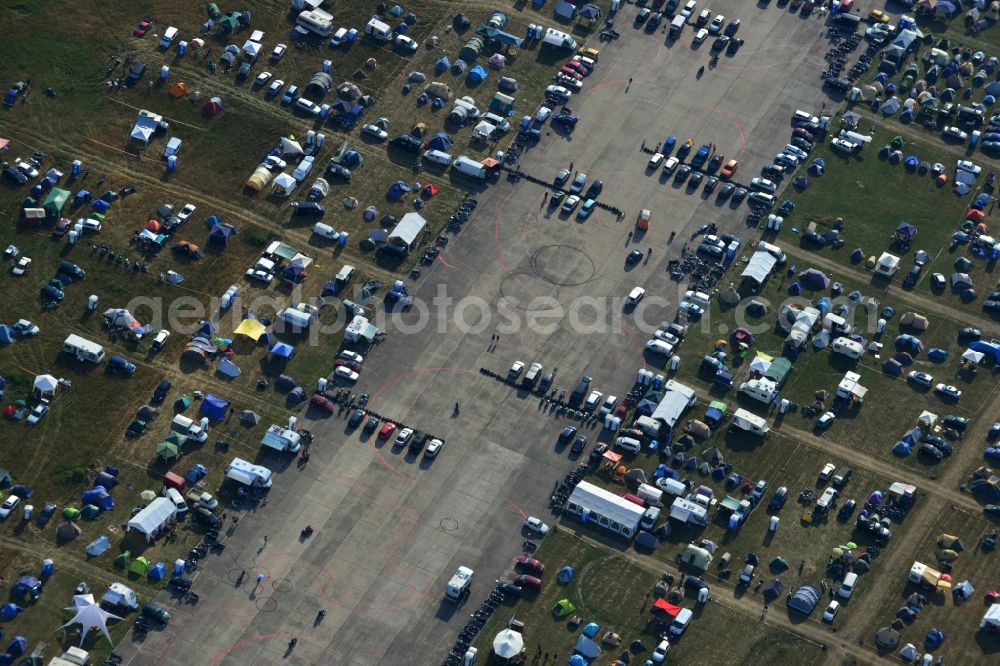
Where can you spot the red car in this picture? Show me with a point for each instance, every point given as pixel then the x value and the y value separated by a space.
pixel 845 5
pixel 320 401
pixel 803 133
pixel 353 365
pixel 579 67
pixel 528 563
pixel 570 73
pixel 528 583
pixel 142 28
pixel 387 430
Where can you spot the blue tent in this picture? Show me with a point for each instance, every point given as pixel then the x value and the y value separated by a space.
pixel 909 343
pixel 477 74
pixel 6 334
pixel 282 350
pixel 937 354
pixel 105 479
pixel 566 574
pixel 440 141
pixel 565 10
pixel 794 289
pixel 397 190
pixel 10 611
pixel 933 639
pixel 99 496
pixel 892 367
pixel 591 629
pixel 214 407
pixel 590 12
pixel 442 65
pixel 906 230
pixel 814 279
pixel 19 644
pixel 713 415
pixel 985 347
pixel 196 474
pixel 220 233
pixel 902 448
pixel 396 10
pixel 158 571
pixel 99 546
pixel 815 170
pixel 911 162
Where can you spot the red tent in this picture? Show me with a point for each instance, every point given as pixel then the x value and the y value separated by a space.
pixel 430 190
pixel 212 107
pixel 974 215
pixel 153 226
pixel 663 606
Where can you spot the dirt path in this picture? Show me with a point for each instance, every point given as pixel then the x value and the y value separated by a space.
pixel 906 132
pixel 926 304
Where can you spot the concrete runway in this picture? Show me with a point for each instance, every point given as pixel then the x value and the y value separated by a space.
pixel 391 530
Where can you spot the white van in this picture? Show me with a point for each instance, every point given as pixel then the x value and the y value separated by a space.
pixel 801 117
pixel 469 167
pixel 698 297
pixel 168 37
pixel 345 273
pixel 628 444
pixel 847 587
pixel 176 499
pixel 189 428
pixel 651 494
pixel 848 348
pixel 303 169
pixel 773 250
pixel 677 26
pixel 671 486
pixel 437 157
pixel 296 318
pixel 325 231
pixel 681 622
pixel 649 518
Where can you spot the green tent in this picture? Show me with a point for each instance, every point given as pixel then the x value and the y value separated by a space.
pixel 122 561
pixel 167 451
pixel 69 513
pixel 563 608
pixel 176 439
pixel 229 23
pixel 136 427
pixel 779 564
pixel 182 403
pixel 90 511
pixel 54 203
pixel 139 566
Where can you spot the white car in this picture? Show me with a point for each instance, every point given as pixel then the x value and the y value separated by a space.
pixel 572 84
pixel 352 356
pixel 406 43
pixel 955 133
pixel 262 78
pixel 789 149
pixel 404 436
pixel 470 656
pixel 308 106
pixel 433 448
pixel 516 368
pixel 670 165
pixel 716 25
pixel 636 295
pixel 609 405
pixel 825 421
pixel 827 471
pixel 660 653
pixel 9 506
pixel 278 52
pixel 659 347
pixel 22 266
pixel 831 611
pixel 258 275
pixel 375 132
pixel 535 525
pixel 966 165
pixel 558 91
pixel 948 391
pixel 26 168
pixel 844 145
pixel 689 8
pixel 667 337
pixel 920 378
pixel 691 309
pixel 592 400
pixel 186 212
pixel 91 225
pixel 25 328
pixel 543 114
pixel 37 412
pixel 160 341
pixel 345 373
pixel 275 87
pixel 700 36
pixel 763 185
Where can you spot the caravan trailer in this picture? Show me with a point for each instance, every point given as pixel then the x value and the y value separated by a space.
pixel 249 474
pixel 315 22
pixel 83 349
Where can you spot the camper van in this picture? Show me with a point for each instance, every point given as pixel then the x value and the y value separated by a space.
pixel 282 439
pixel 848 348
pixel 169 35
pixel 469 167
pixel 650 494
pixel 83 349
pixel 315 22
pixel 379 30
pixel 459 584
pixel 249 474
pixel 189 428
pixel 295 318
pixel 558 39
pixel 671 486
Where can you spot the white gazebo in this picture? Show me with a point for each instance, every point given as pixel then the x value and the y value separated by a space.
pixel 45 386
pixel 508 644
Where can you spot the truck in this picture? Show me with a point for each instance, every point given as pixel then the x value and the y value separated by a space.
pixel 459 585
pixel 172 148
pixel 700 157
pixel 190 428
pixel 924 576
pixel 245 472
pixel 282 439
pixel 83 349
pixel 558 39
pixel 689 512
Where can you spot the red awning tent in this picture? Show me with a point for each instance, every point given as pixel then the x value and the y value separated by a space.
pixel 665 607
pixel 430 189
pixel 175 481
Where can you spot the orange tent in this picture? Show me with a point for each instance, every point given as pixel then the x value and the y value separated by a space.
pixel 179 89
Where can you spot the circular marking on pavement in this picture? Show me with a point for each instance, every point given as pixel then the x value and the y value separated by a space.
pixel 282 585
pixel 563 265
pixel 531 218
pixel 449 524
pixel 246 562
pixel 520 289
pixel 266 604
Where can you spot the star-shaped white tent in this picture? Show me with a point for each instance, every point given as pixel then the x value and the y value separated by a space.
pixel 89 615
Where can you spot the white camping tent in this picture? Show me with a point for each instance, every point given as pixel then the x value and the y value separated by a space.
pixel 90 615
pixel 759 267
pixel 45 385
pixel 508 644
pixel 483 131
pixel 153 518
pixel 991 620
pixel 290 147
pixel 406 232
pixel 283 184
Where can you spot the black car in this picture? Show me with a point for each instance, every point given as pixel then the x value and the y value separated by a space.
pixel 959 423
pixel 72 270
pixel 338 170
pixel 308 208
pixel 654 22
pixel 840 85
pixel 911 278
pixel 778 499
pixel 50 293
pixel 773 171
pixel 941 445
pixel 731 29
pixel 740 194
pixel 371 424
pixel 734 46
pixel 695 179
pixel 634 257
pixel 579 444
pixel 992 307
pixel 726 191
pixel 45 515
pixel 357 416
pixel 546 383
pixel 135 73
pixel 846 510
pixel 799 142
pixel 407 142
pixel 721 42
pixel 969 335
pixel 417 442
pixel 14 175
pixel 161 391
pixel 682 173
pixel 713 251
pixel 594 190
pixel 598 452
pixel 567 434
pixel 508 588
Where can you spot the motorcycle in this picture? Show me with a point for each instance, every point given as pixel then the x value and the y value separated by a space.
pixel 307 531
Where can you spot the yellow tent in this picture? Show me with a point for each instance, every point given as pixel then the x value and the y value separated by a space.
pixel 251 328
pixel 260 177
pixel 178 89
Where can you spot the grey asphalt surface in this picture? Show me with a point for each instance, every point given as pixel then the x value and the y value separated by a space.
pixel 391 529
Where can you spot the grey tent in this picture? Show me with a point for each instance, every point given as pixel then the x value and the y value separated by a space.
pixel 349 91
pixel 317 88
pixel 647 540
pixel 887 638
pixel 804 600
pixel 146 413
pixel 249 417
pixel 439 90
